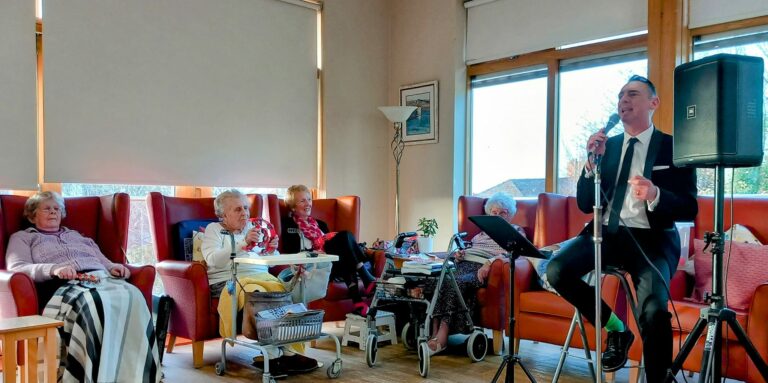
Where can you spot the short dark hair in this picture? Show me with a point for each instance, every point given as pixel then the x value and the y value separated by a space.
pixel 645 81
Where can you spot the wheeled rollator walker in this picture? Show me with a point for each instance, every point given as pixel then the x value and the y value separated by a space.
pixel 417 289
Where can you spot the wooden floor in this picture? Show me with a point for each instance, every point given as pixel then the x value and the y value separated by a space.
pixel 395 364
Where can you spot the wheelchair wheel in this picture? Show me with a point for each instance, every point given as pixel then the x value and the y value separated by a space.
pixel 477 346
pixel 371 349
pixel 423 359
pixel 408 337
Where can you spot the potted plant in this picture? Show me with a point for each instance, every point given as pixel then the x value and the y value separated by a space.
pixel 428 229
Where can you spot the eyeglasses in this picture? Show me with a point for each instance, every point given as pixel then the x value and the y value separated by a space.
pixel 644 81
pixel 51 209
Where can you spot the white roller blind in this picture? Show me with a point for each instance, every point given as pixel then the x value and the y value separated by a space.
pixel 18 116
pixel 709 12
pixel 180 92
pixel 504 28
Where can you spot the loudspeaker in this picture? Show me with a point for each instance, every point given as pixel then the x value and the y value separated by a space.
pixel 719 112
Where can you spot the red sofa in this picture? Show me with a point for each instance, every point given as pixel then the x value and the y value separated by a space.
pixel 342 213
pixel 194 315
pixel 545 317
pixel 751 212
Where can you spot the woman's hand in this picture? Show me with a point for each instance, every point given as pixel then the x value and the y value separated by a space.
pixel 252 236
pixel 65 272
pixel 274 242
pixel 459 256
pixel 482 274
pixel 120 271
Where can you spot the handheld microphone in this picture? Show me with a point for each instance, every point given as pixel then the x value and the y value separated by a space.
pixel 612 121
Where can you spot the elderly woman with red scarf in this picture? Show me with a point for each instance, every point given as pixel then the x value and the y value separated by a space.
pixel 302 232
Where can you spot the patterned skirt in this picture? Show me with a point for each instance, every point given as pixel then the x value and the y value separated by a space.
pixel 448 305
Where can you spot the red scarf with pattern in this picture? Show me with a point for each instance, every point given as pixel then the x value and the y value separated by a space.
pixel 311 231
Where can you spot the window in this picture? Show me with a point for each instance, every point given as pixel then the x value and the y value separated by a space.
pixel 141 250
pixel 280 192
pixel 751 42
pixel 588 96
pixel 509 133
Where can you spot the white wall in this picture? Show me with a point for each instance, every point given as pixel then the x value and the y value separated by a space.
pixel 427 42
pixel 355 54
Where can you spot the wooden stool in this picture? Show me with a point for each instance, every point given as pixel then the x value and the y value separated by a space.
pixel 29 329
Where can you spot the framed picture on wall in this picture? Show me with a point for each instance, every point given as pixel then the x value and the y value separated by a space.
pixel 421 126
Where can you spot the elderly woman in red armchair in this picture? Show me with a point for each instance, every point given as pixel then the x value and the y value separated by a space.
pixel 302 232
pixel 472 268
pixel 108 335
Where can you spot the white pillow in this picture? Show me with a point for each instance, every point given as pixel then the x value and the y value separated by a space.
pixel 197 246
pixel 740 233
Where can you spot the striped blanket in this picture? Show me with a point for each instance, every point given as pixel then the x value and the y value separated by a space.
pixel 108 334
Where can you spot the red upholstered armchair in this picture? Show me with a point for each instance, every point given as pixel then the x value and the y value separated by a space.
pixel 342 213
pixel 194 314
pixel 494 299
pixel 103 219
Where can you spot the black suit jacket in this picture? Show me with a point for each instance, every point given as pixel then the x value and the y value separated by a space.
pixel 677 186
pixel 290 234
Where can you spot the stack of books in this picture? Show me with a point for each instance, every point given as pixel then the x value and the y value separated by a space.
pixel 421 267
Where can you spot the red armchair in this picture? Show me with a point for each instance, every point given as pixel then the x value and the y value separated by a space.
pixel 494 299
pixel 104 219
pixel 194 314
pixel 749 211
pixel 342 213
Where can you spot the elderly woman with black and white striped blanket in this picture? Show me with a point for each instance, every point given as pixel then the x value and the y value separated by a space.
pixel 108 335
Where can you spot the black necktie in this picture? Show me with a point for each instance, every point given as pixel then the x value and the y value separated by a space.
pixel 621 187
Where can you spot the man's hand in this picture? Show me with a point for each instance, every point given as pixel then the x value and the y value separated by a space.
pixel 642 188
pixel 595 145
pixel 65 272
pixel 120 271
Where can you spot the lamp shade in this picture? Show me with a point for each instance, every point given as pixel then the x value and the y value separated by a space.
pixel 397 113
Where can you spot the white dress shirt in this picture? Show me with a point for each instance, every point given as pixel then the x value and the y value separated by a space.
pixel 633 209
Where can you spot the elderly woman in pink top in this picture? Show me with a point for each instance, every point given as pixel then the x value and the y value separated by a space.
pixel 108 333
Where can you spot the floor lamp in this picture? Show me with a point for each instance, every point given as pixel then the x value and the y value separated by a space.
pixel 397 115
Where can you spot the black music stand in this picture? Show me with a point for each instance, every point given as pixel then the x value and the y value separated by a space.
pixel 516 245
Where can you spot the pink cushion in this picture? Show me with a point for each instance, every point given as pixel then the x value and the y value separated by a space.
pixel 746 271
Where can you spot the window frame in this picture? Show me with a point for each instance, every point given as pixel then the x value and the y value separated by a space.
pixel 551 58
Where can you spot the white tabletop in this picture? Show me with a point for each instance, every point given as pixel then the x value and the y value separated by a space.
pixel 286 259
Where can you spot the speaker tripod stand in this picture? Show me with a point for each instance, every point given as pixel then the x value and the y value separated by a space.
pixel 714 316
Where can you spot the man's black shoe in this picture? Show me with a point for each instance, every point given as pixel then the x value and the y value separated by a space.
pixel 615 355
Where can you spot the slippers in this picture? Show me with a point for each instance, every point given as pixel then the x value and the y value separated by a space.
pixel 439 347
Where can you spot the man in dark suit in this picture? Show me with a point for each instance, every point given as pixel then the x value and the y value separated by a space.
pixel 645 193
